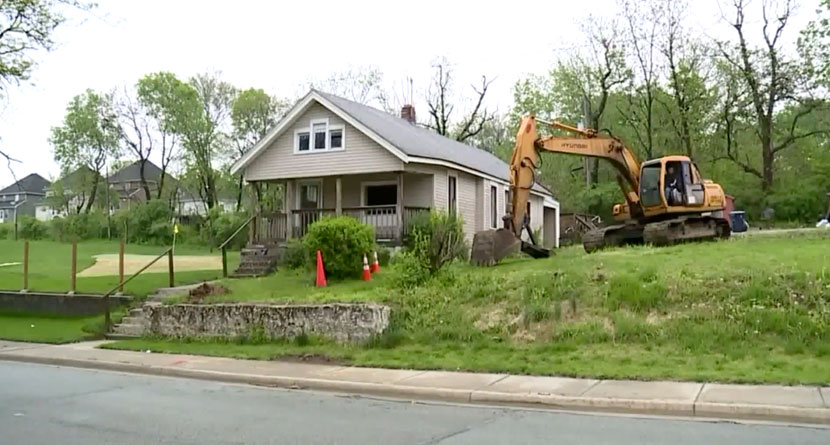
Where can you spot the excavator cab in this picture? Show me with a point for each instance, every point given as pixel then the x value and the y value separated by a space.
pixel 671 182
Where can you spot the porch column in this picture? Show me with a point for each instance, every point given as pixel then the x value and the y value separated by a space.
pixel 288 192
pixel 399 210
pixel 338 196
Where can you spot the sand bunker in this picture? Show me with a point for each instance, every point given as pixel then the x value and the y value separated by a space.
pixel 108 264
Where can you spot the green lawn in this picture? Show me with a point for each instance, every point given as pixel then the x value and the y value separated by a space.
pixel 50 266
pixel 48 329
pixel 748 310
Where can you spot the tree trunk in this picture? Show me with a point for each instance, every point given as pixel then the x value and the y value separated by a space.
pixel 769 158
pixel 687 137
pixel 239 194
pixel 141 164
pixel 92 195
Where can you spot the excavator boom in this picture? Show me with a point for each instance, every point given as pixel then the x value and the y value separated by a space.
pixel 490 246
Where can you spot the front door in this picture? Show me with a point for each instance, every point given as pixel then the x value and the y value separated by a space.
pixel 380 201
pixel 309 200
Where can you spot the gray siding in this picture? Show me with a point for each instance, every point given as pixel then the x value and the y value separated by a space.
pixel 417 190
pixel 467 185
pixel 361 154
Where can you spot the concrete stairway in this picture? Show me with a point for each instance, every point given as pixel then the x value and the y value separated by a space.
pixel 134 325
pixel 256 260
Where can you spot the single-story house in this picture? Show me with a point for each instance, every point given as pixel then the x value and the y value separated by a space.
pixel 335 156
pixel 22 197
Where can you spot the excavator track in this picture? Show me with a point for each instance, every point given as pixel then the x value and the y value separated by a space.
pixel 673 231
pixel 612 236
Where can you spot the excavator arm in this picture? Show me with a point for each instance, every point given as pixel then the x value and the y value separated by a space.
pixel 525 161
pixel 490 246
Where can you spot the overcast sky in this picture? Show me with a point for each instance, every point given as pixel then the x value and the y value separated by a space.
pixel 281 46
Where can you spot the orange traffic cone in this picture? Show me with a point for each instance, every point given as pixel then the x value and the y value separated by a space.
pixel 375 264
pixel 321 273
pixel 367 276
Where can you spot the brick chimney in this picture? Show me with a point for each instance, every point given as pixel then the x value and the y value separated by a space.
pixel 408 113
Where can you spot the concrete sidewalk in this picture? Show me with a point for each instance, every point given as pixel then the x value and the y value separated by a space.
pixel 769 402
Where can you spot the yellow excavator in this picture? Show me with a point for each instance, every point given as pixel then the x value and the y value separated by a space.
pixel 666 200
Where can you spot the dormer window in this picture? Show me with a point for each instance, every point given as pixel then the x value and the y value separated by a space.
pixel 319 136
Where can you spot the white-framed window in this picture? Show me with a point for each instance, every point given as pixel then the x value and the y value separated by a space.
pixel 452 193
pixel 302 141
pixel 494 206
pixel 319 136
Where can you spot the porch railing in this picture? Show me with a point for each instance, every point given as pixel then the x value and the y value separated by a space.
pixel 269 227
pixel 384 219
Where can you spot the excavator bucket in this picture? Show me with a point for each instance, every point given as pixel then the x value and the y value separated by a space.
pixel 489 246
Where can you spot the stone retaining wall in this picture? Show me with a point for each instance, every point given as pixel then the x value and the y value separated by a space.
pixel 342 322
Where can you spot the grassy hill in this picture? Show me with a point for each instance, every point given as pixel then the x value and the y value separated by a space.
pixel 753 310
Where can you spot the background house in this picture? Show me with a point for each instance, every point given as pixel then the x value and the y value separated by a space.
pixel 70 194
pixel 126 183
pixel 22 197
pixel 190 203
pixel 335 156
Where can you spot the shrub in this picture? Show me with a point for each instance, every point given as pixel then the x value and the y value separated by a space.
pixel 76 227
pixel 30 228
pixel 440 241
pixel 411 271
pixel 293 254
pixel 6 230
pixel 220 225
pixel 149 223
pixel 343 241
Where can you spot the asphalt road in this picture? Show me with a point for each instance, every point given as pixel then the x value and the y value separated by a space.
pixel 45 404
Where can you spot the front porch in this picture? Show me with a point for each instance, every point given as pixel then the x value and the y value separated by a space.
pixel 385 201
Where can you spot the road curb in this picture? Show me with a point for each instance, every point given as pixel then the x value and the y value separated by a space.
pixel 539 400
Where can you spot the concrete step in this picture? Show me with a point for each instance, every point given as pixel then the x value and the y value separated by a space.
pixel 136 312
pixel 140 320
pixel 129 329
pixel 114 336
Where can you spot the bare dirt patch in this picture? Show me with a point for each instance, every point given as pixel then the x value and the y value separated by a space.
pixel 108 264
pixel 198 294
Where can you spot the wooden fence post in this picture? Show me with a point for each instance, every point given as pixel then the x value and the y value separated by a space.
pixel 224 262
pixel 121 267
pixel 25 265
pixel 170 266
pixel 72 286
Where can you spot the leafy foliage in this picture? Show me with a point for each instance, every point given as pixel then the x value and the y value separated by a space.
pixel 76 227
pixel 30 228
pixel 436 240
pixel 220 225
pixel 343 241
pixel 147 223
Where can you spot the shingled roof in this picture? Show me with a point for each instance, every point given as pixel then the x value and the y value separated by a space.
pixel 33 184
pixel 413 142
pixel 131 173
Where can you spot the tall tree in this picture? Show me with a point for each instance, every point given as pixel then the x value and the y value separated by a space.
pixel 141 135
pixel 441 102
pixel 196 112
pixel 586 81
pixel 253 113
pixel 360 84
pixel 26 26
pixel 685 59
pixel 88 137
pixel 771 80
pixel 642 20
